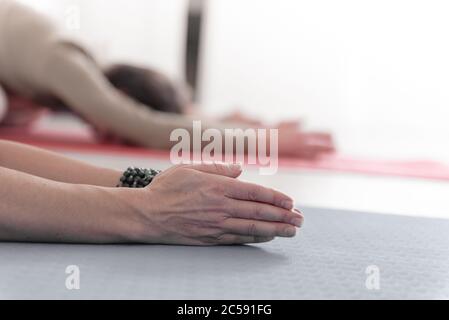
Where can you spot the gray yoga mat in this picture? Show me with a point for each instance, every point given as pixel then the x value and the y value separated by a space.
pixel 407 257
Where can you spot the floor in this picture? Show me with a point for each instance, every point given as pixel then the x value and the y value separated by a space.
pixel 336 255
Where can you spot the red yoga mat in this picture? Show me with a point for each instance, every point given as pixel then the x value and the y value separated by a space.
pixel 58 140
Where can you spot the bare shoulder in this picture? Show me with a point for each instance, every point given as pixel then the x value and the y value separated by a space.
pixel 22 19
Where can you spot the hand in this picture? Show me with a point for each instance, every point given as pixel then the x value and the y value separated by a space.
pixel 205 204
pixel 239 117
pixel 308 145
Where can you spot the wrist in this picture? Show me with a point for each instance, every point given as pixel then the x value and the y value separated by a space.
pixel 108 177
pixel 135 213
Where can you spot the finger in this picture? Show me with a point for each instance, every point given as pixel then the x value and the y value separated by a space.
pixel 317 146
pixel 305 154
pixel 321 135
pixel 320 139
pixel 317 142
pixel 292 124
pixel 311 155
pixel 264 212
pixel 232 170
pixel 254 228
pixel 229 239
pixel 252 192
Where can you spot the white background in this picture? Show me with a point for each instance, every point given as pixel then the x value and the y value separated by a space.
pixel 147 32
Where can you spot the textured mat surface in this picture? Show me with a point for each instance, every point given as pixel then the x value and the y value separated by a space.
pixel 328 259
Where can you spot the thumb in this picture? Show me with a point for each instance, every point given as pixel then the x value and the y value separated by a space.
pixel 232 170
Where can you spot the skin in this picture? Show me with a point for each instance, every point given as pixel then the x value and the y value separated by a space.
pixel 308 145
pixel 47 197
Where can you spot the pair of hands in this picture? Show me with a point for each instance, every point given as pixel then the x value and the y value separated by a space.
pixel 292 142
pixel 205 204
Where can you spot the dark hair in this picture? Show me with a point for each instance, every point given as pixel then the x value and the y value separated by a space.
pixel 148 87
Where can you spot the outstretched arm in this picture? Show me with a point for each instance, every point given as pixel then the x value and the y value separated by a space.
pixel 79 82
pixel 49 165
pixel 221 210
pixel 37 209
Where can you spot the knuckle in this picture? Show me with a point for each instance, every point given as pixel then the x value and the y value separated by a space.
pixel 257 211
pixel 252 229
pixel 252 193
pixel 229 185
pixel 223 238
pixel 275 194
pixel 218 168
pixel 220 219
pixel 280 228
pixel 219 203
pixel 226 206
pixel 284 215
pixel 212 194
pixel 219 189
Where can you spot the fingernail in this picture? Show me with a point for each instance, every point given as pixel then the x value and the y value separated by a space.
pixel 297 222
pixel 289 232
pixel 287 204
pixel 298 211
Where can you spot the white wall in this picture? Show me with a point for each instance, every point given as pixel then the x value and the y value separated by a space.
pixel 374 72
pixel 149 32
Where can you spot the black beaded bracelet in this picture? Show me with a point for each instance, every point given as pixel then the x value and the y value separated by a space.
pixel 137 177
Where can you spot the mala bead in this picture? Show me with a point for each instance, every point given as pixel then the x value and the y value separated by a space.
pixel 137 177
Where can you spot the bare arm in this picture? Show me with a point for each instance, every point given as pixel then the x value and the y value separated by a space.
pixel 53 166
pixel 79 82
pixel 36 209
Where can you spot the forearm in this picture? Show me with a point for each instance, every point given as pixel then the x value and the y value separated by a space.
pixel 36 209
pixel 53 166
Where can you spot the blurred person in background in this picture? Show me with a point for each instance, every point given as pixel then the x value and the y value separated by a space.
pixel 40 66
